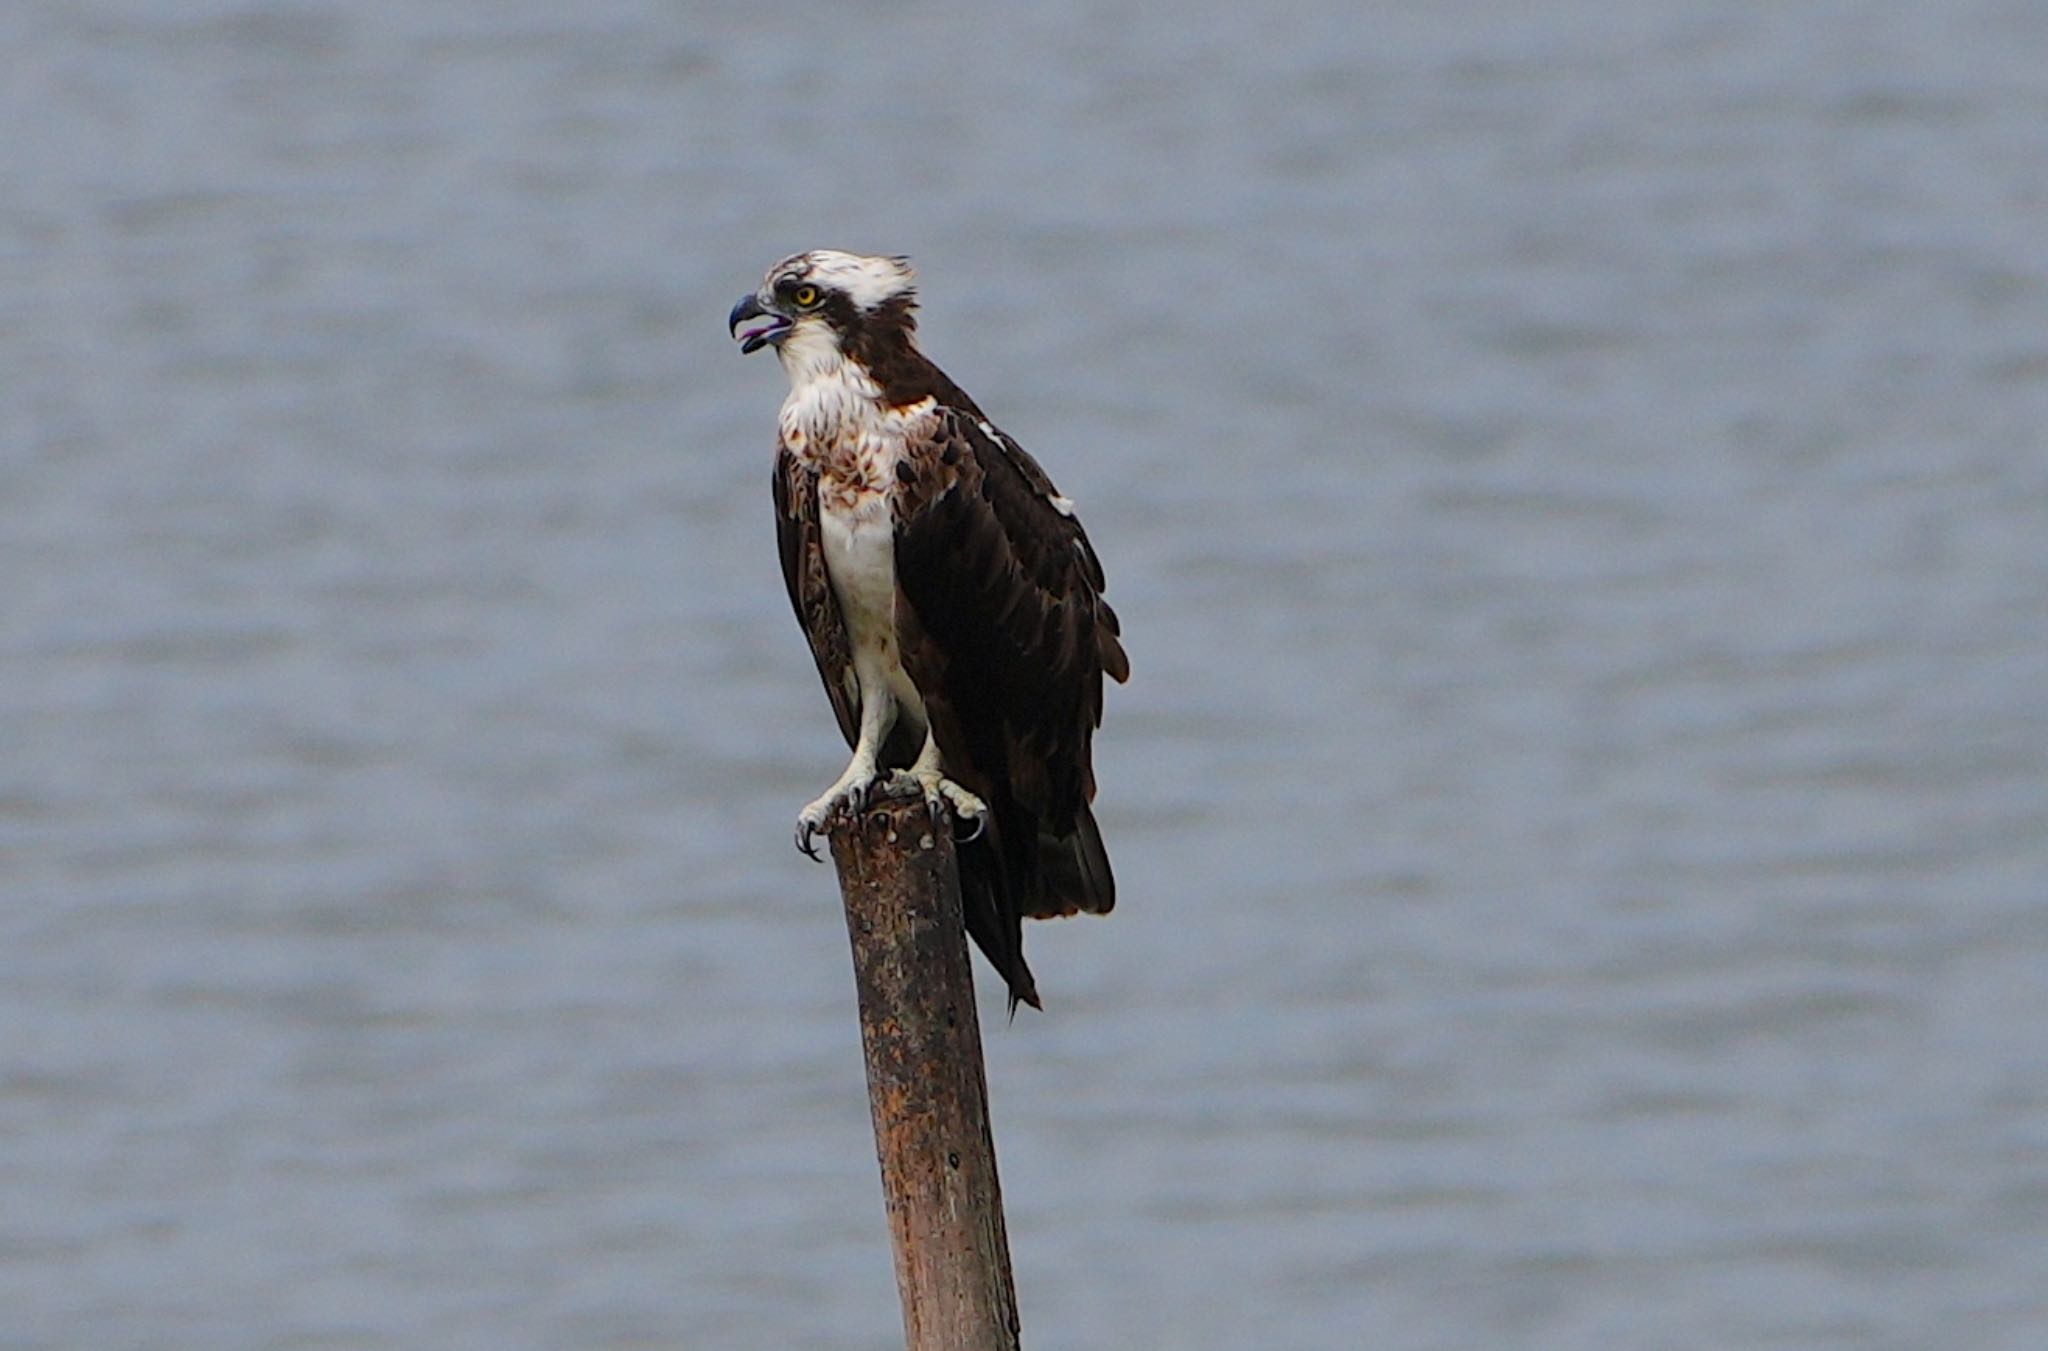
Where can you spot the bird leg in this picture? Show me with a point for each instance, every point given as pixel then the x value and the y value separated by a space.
pixel 850 792
pixel 941 793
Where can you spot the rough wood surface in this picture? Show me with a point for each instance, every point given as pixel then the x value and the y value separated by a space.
pixel 926 1083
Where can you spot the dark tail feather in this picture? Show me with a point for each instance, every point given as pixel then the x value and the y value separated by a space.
pixel 992 919
pixel 1076 872
pixel 1068 875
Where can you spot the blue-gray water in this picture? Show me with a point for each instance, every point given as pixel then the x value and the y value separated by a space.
pixel 1575 482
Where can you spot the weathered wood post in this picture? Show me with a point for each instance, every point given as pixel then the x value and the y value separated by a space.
pixel 926 1083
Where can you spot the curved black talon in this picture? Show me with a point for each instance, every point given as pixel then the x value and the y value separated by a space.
pixel 804 844
pixel 980 828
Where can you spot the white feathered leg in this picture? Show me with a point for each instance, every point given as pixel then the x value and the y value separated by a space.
pixel 877 714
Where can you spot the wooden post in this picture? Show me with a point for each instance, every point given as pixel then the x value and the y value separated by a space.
pixel 926 1083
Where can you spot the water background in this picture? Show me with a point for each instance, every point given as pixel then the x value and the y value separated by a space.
pixel 1574 479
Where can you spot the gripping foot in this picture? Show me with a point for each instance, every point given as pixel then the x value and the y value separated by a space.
pixel 847 796
pixel 944 796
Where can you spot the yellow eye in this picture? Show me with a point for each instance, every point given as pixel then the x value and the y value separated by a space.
pixel 806 296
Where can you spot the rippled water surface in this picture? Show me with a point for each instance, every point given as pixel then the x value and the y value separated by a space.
pixel 1574 480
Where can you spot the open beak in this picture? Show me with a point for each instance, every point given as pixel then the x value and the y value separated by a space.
pixel 753 326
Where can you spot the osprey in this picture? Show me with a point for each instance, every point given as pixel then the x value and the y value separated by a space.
pixel 952 600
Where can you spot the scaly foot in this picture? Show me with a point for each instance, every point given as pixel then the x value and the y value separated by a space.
pixel 849 795
pixel 941 794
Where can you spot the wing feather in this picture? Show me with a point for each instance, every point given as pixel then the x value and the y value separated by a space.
pixel 799 536
pixel 1008 640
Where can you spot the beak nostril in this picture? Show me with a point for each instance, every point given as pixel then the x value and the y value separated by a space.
pixel 754 325
pixel 748 308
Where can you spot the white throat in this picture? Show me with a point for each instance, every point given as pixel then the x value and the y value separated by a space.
pixel 827 393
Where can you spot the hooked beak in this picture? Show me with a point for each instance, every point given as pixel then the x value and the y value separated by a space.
pixel 761 325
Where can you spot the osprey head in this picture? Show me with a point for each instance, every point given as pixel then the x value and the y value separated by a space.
pixel 824 300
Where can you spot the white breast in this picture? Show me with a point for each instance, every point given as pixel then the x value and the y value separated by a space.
pixel 835 421
pixel 860 558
